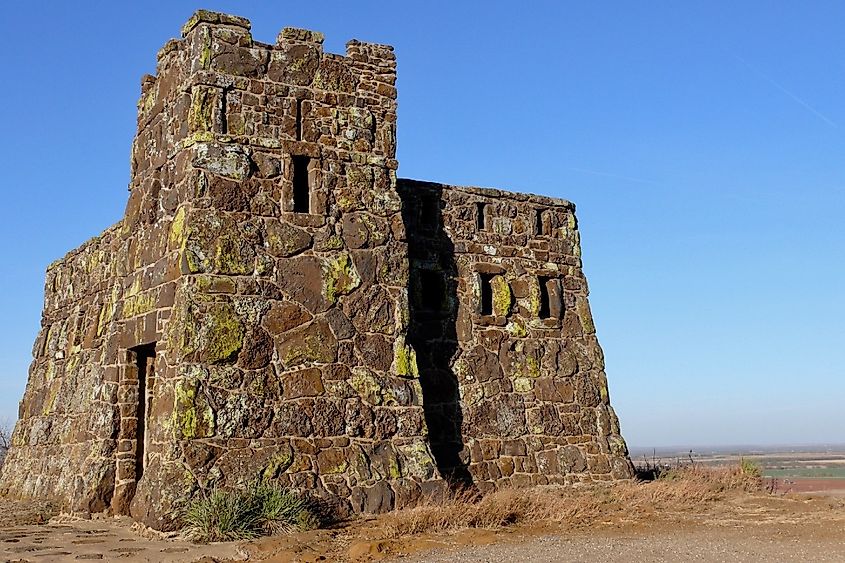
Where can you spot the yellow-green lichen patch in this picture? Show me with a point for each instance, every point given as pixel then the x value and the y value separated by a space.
pixel 176 236
pixel 205 49
pixel 345 202
pixel 201 113
pixel 148 100
pixel 339 277
pixel 523 384
pixel 602 385
pixel 517 329
pixel 366 385
pixel 138 305
pixel 333 242
pixel 418 462
pixel 278 464
pixel 394 471
pixel 534 298
pixel 617 445
pixel 532 367
pixel 223 333
pixel 233 256
pixel 471 395
pixel 210 333
pixel 583 308
pixel 192 415
pixel 404 359
pixel 52 396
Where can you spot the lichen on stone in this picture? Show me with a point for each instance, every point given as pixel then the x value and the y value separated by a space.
pixel 417 460
pixel 516 328
pixel 177 235
pixel 366 385
pixel 404 359
pixel 201 113
pixel 339 277
pixel 502 296
pixel 193 417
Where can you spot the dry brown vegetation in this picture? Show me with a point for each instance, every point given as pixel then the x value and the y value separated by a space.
pixel 680 489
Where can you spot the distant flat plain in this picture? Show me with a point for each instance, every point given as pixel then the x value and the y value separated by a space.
pixel 793 469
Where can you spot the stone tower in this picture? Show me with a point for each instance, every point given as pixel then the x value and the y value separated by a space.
pixel 249 317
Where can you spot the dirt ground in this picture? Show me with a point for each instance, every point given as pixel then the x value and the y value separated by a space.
pixel 742 527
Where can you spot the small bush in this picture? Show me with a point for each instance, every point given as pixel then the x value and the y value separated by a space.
pixel 750 468
pixel 260 509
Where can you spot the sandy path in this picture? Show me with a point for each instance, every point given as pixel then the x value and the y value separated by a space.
pixel 98 540
pixel 709 545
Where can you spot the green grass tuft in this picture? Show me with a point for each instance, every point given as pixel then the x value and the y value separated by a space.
pixel 260 509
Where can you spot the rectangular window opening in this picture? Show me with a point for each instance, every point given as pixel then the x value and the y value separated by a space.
pixel 301 184
pixel 486 294
pixel 545 303
pixel 145 366
pixel 480 215
pixel 538 222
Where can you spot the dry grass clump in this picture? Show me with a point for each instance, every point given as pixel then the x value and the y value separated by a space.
pixel 680 489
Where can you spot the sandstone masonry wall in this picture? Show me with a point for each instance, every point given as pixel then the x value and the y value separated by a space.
pixel 249 317
pixel 512 373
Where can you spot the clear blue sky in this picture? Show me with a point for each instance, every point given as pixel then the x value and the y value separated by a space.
pixel 703 143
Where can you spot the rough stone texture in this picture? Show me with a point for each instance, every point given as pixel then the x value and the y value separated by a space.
pixel 220 332
pixel 514 394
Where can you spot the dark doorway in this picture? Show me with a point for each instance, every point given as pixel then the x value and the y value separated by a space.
pixel 145 367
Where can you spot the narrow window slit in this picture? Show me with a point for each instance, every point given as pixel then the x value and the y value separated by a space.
pixel 480 215
pixel 486 294
pixel 545 303
pixel 538 222
pixel 301 184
